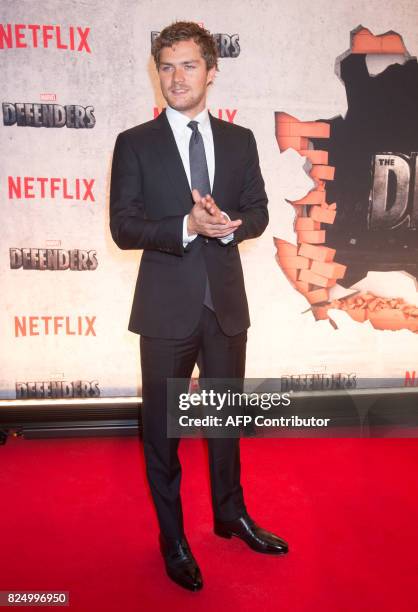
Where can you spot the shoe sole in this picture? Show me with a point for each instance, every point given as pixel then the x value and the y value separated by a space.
pixel 228 535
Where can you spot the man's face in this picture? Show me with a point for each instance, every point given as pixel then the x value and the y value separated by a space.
pixel 184 77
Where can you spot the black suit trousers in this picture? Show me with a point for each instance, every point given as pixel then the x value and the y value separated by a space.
pixel 220 356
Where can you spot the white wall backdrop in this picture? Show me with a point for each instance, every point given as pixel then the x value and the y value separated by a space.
pixel 286 63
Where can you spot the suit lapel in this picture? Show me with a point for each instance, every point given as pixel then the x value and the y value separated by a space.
pixel 171 161
pixel 173 166
pixel 221 158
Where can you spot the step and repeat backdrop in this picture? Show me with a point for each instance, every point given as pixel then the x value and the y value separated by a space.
pixel 330 91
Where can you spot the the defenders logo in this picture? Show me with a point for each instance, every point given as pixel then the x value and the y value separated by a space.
pixel 53 259
pixel 318 382
pixel 228 44
pixel 32 114
pixel 394 201
pixel 22 36
pixel 57 389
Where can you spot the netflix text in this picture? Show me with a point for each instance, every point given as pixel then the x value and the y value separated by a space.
pixel 44 188
pixel 81 325
pixel 227 114
pixel 35 36
pixel 411 378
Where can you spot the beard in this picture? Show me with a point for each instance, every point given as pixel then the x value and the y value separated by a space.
pixel 185 102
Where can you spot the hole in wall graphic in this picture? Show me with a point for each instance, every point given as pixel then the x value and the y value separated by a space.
pixel 356 230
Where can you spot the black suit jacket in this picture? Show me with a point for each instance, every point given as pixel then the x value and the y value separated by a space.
pixel 149 197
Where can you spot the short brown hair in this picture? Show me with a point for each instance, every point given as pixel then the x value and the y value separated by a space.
pixel 186 30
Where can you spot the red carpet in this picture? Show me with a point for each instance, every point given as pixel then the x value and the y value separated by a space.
pixel 76 516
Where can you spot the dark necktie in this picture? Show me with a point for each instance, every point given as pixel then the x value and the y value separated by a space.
pixel 199 179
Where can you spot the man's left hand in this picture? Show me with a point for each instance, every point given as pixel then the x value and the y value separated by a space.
pixel 213 209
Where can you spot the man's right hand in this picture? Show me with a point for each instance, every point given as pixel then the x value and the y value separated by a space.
pixel 206 218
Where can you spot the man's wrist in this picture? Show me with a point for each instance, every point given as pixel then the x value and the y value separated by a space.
pixel 187 237
pixel 191 231
pixel 229 237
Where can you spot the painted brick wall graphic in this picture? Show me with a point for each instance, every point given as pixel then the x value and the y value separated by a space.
pixel 307 226
pixel 310 265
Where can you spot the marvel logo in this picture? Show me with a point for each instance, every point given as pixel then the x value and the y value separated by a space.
pixel 48 97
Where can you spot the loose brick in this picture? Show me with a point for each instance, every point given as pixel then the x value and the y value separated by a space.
pixel 306 223
pixel 329 270
pixel 283 128
pixel 366 42
pixel 388 318
pixel 290 273
pixel 311 236
pixel 282 121
pixel 392 43
pixel 312 129
pixel 316 296
pixel 323 172
pixel 291 142
pixel 286 125
pixel 284 248
pixel 322 214
pixel 315 279
pixel 302 286
pixel 358 314
pixel 412 324
pixel 320 313
pixel 384 313
pixel 318 253
pixel 300 263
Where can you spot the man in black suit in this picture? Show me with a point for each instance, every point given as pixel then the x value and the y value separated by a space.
pixel 187 188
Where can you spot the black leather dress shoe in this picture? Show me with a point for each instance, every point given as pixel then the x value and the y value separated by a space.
pixel 180 564
pixel 257 538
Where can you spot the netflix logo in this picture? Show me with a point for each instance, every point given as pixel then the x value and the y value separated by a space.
pixel 227 44
pixel 81 325
pixel 57 389
pixel 35 36
pixel 41 188
pixel 227 114
pixel 53 259
pixel 32 114
pixel 411 378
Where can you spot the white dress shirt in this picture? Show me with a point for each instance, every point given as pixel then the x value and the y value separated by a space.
pixel 182 134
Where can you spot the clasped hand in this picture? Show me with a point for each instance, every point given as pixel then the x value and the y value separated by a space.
pixel 207 219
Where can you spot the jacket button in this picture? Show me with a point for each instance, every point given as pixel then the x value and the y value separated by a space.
pixel 206 240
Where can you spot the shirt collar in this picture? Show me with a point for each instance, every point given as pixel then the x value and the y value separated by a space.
pixel 178 121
